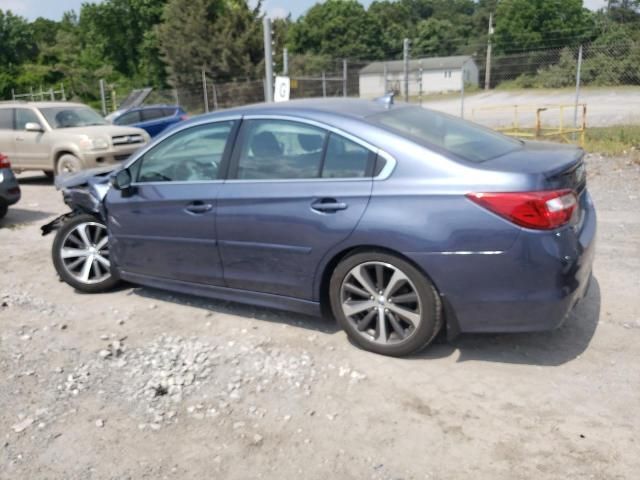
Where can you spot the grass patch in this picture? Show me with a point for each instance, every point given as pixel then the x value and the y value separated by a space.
pixel 615 140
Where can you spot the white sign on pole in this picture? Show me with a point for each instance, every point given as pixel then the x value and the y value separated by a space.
pixel 282 90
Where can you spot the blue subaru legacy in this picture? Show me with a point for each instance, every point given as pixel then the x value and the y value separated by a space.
pixel 397 219
pixel 154 119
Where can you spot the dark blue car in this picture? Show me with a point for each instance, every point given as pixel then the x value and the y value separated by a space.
pixel 397 219
pixel 154 119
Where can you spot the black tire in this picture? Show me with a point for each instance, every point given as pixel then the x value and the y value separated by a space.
pixel 4 207
pixel 427 301
pixel 95 286
pixel 68 163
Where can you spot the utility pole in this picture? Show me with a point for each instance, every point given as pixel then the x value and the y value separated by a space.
pixel 344 77
pixel 268 60
pixel 578 72
pixel 487 73
pixel 204 90
pixel 103 100
pixel 285 62
pixel 405 55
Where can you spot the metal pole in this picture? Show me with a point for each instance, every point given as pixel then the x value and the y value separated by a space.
pixel 51 94
pixel 386 81
pixel 324 85
pixel 64 96
pixel 268 60
pixel 31 89
pixel 462 90
pixel 285 62
pixel 405 53
pixel 420 74
pixel 204 90
pixel 103 100
pixel 13 94
pixel 215 96
pixel 578 71
pixel 344 77
pixel 487 73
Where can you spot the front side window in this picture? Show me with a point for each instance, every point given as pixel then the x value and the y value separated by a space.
pixel 6 118
pixel 463 139
pixel 69 117
pixel 24 116
pixel 280 149
pixel 191 155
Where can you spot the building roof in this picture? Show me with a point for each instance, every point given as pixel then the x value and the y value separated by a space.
pixel 431 63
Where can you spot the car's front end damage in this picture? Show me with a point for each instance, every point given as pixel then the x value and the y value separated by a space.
pixel 83 192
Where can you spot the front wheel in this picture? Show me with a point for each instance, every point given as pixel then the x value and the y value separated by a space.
pixel 81 254
pixel 68 163
pixel 385 304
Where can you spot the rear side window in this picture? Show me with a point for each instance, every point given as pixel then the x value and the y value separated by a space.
pixel 280 149
pixel 129 118
pixel 152 114
pixel 169 112
pixel 346 159
pixel 24 116
pixel 6 118
pixel 437 130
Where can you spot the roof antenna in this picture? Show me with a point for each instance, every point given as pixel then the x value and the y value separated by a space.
pixel 386 99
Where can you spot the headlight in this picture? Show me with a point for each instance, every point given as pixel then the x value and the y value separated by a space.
pixel 94 144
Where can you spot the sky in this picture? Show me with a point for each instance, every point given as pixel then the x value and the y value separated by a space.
pixel 54 9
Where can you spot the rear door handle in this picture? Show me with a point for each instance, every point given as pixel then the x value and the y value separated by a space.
pixel 328 205
pixel 19 139
pixel 198 207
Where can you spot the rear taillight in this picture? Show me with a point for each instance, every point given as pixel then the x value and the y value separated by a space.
pixel 4 161
pixel 543 210
pixel 184 117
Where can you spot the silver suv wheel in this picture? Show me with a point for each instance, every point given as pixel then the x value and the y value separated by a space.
pixel 85 253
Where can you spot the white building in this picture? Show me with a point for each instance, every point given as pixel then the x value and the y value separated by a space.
pixel 438 74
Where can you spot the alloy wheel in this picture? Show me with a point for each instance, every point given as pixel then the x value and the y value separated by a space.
pixel 381 302
pixel 85 253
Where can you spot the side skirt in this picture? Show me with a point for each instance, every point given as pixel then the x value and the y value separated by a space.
pixel 306 307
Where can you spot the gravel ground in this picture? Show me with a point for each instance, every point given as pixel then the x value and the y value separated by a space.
pixel 140 383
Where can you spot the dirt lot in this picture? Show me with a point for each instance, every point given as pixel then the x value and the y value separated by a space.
pixel 140 383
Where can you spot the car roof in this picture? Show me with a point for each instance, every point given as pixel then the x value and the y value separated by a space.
pixel 22 103
pixel 340 107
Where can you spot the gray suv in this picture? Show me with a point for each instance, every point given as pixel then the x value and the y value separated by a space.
pixel 63 137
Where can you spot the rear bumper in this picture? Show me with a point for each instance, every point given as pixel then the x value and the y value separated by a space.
pixel 531 287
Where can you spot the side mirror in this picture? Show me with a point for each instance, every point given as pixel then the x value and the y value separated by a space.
pixel 121 180
pixel 33 127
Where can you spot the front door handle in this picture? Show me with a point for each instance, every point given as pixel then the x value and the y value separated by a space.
pixel 328 205
pixel 198 207
pixel 19 139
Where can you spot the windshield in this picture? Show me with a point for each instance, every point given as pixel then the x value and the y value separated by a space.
pixel 67 117
pixel 464 139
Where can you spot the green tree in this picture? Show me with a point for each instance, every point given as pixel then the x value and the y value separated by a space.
pixel 435 38
pixel 224 36
pixel 534 24
pixel 340 28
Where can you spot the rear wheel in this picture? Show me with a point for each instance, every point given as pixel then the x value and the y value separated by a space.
pixel 81 255
pixel 385 304
pixel 4 208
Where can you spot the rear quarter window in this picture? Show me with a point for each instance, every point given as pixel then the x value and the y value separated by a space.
pixel 440 131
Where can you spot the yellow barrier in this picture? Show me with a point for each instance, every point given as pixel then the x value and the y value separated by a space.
pixel 538 130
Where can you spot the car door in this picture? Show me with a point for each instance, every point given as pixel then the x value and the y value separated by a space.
pixel 7 134
pixel 33 149
pixel 164 226
pixel 295 190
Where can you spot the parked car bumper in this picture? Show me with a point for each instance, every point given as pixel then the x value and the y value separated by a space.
pixel 9 188
pixel 531 287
